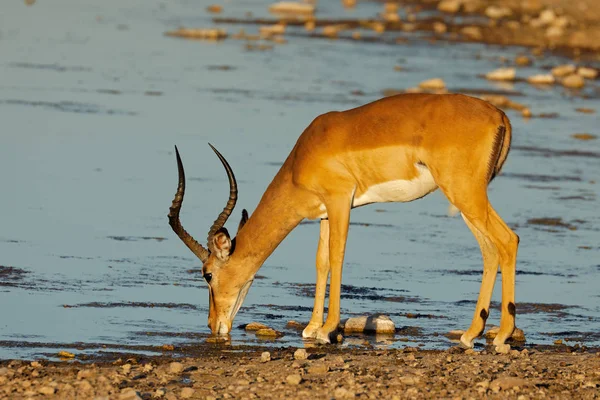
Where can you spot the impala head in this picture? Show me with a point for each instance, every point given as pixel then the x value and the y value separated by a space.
pixel 227 285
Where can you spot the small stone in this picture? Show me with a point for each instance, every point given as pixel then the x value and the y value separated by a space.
pixel 523 61
pixel 584 136
pixel 265 357
pixel 472 32
pixel 295 325
pixel 502 74
pixel 554 32
pixel 343 393
pixel 508 382
pixel 376 323
pixel 187 392
pixel 292 8
pixel 470 352
pixel 268 332
pixel 85 386
pixel 86 374
pixel 410 380
pixel 541 79
pixel 526 113
pixel 36 364
pixel 547 17
pixel 46 390
pixel 268 31
pixel 126 368
pixel 198 33
pixel 434 84
pixel 293 379
pixel 214 9
pixel 563 70
pixel 318 369
pixel 573 81
pixel 558 342
pixel 502 348
pixel 497 12
pixel 175 367
pixel 65 354
pixel 440 27
pixel 449 6
pixel 587 73
pixel 160 392
pixel 309 26
pixel 129 394
pixel 349 3
pixel 300 354
pixel 255 326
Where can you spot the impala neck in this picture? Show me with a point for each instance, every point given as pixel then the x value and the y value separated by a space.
pixel 274 217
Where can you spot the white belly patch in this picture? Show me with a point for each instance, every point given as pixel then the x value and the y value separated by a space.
pixel 398 190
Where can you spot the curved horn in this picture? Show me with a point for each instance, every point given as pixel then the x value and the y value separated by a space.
pixel 233 193
pixel 189 241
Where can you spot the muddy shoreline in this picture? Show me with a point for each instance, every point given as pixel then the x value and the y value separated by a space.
pixel 221 372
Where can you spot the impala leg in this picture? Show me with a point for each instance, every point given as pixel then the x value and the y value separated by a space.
pixel 508 246
pixel 316 320
pixel 491 260
pixel 338 211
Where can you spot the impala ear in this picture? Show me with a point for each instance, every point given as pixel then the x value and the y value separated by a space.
pixel 244 219
pixel 222 244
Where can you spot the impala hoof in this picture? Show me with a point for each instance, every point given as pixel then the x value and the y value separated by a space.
pixel 326 337
pixel 465 342
pixel 310 332
pixel 502 348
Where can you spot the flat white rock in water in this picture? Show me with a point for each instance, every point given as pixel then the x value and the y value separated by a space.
pixel 292 7
pixel 369 324
pixel 502 74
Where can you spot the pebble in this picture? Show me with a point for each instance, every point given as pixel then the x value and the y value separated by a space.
pixel 187 392
pixel 129 394
pixel 36 364
pixel 268 332
pixel 502 74
pixel 255 326
pixel 547 17
pixel 126 368
pixel 472 32
pixel 541 79
pixel 214 9
pixel 198 33
pixel 300 354
pixel 523 61
pixel 435 83
pixel 293 379
pixel 318 369
pixel 507 382
pixel 587 73
pixel 65 354
pixel 497 12
pixel 526 113
pixel 175 367
pixel 343 393
pixel 377 323
pixel 449 6
pixel 86 374
pixel 295 325
pixel 265 357
pixel 439 27
pixel 583 136
pixel 563 70
pixel 85 386
pixel 46 390
pixel 573 81
pixel 291 7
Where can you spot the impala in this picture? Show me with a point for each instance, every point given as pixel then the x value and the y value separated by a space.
pixel 399 149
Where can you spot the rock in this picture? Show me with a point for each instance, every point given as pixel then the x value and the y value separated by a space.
pixel 309 26
pixel 126 368
pixel 561 22
pixel 343 393
pixel 390 17
pixel 434 84
pixel 514 25
pixel 563 70
pixel 541 79
pixel 333 30
pixel 85 386
pixel 214 9
pixel 439 27
pixel 376 323
pixel 292 8
pixel 587 73
pixel 349 3
pixel 175 367
pixel 295 325
pixel 265 357
pixel 547 17
pixel 472 32
pixel 502 348
pixel 497 12
pixel 502 74
pixel 526 113
pixel 65 354
pixel 187 392
pixel 508 382
pixel 517 335
pixel 449 6
pixel 300 354
pixel 46 390
pixel 523 61
pixel 573 81
pixel 129 394
pixel 318 369
pixel 255 326
pixel 197 33
pixel 554 32
pixel 268 332
pixel 267 31
pixel 36 364
pixel 293 379
pixel 583 136
pixel 390 7
pixel 410 380
pixel 86 374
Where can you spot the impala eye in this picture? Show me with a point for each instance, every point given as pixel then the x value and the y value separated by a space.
pixel 208 277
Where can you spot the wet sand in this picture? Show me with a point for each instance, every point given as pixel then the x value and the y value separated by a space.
pixel 321 373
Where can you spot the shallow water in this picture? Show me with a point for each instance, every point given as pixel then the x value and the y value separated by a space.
pixel 92 100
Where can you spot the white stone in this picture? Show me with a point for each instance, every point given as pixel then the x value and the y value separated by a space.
pixel 502 74
pixel 376 323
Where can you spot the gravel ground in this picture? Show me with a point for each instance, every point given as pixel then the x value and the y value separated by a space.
pixel 321 373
